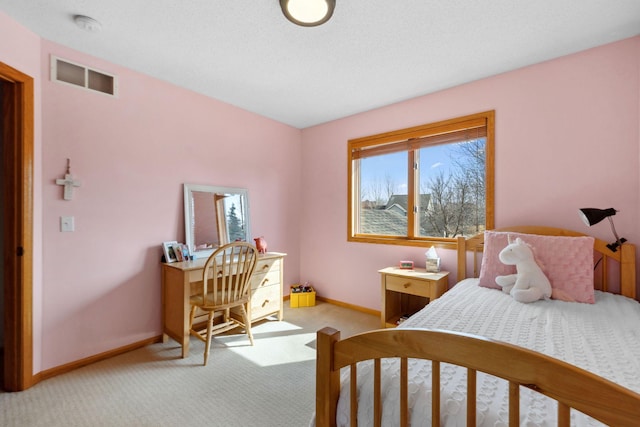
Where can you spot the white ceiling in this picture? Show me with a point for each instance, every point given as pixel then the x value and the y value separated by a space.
pixel 370 54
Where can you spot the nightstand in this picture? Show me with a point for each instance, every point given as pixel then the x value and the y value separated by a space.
pixel 404 292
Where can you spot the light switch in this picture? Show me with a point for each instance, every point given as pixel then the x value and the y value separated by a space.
pixel 67 223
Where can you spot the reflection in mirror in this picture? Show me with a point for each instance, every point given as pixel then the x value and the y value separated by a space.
pixel 214 216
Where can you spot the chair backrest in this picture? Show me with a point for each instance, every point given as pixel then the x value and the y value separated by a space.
pixel 227 273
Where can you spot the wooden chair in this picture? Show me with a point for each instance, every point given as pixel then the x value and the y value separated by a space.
pixel 225 285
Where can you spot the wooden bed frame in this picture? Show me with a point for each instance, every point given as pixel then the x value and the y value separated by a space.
pixel 570 386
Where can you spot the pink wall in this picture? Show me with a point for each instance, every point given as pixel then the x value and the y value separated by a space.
pixel 98 288
pixel 133 153
pixel 567 136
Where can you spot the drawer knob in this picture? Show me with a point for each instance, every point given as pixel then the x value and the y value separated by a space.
pixel 406 285
pixel 266 267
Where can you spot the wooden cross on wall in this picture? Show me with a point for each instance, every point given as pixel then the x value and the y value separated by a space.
pixel 68 182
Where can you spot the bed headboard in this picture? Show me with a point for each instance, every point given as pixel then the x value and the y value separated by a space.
pixel 625 257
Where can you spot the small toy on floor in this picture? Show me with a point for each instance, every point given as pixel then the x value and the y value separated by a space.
pixel 302 288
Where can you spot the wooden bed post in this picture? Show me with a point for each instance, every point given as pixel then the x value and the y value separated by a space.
pixel 327 379
pixel 628 285
pixel 462 258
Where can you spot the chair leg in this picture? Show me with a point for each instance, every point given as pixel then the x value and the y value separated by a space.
pixel 208 344
pixel 247 323
pixel 192 314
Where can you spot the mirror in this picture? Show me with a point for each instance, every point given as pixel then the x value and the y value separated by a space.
pixel 214 216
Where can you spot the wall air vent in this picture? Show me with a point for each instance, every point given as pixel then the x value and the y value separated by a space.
pixel 68 72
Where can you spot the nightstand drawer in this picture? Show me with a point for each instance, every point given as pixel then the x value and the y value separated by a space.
pixel 406 285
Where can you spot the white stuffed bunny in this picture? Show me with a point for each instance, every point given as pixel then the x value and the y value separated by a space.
pixel 529 283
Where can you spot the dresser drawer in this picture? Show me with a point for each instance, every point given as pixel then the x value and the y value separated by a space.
pixel 267 265
pixel 265 300
pixel 195 275
pixel 407 285
pixel 265 279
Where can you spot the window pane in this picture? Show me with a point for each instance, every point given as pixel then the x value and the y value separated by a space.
pixel 452 189
pixel 383 194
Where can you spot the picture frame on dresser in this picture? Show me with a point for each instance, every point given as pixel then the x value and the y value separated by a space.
pixel 177 252
pixel 167 250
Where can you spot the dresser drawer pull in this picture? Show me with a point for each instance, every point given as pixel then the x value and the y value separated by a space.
pixel 266 267
pixel 406 285
pixel 266 302
pixel 264 282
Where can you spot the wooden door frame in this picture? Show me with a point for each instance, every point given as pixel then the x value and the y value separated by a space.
pixel 18 152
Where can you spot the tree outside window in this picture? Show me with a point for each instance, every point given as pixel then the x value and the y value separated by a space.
pixel 235 224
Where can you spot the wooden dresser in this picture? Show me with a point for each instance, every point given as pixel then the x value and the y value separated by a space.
pixel 179 280
pixel 266 287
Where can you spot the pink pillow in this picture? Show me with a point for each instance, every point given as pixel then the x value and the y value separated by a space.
pixel 567 261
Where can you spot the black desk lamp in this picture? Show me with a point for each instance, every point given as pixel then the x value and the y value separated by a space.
pixel 592 216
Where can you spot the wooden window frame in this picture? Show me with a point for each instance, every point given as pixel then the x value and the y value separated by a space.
pixel 410 139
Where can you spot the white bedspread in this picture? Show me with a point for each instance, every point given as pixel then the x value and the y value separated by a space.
pixel 603 338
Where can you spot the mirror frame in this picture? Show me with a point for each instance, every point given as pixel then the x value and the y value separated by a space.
pixel 188 214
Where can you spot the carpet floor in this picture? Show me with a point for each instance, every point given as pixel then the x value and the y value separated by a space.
pixel 269 384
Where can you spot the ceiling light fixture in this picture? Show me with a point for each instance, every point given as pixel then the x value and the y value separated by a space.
pixel 87 23
pixel 308 13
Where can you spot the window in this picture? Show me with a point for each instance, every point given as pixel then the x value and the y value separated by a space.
pixel 424 185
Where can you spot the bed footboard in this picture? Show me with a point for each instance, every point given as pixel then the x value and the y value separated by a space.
pixel 570 386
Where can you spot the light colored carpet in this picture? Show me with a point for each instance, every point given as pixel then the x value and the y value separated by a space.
pixel 269 384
